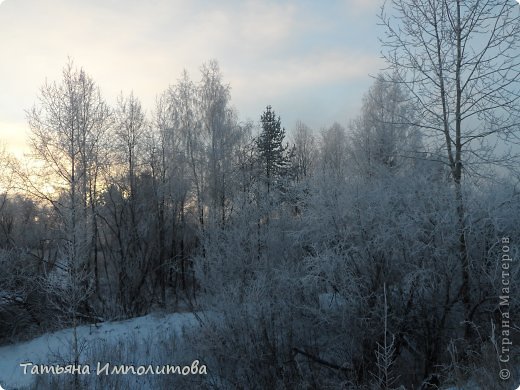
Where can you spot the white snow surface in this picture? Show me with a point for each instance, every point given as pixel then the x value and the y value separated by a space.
pixel 53 347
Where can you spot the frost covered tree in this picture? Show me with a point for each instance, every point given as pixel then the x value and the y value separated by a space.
pixel 177 166
pixel 333 151
pixel 192 159
pixel 218 125
pixel 459 61
pixel 271 149
pixel 382 138
pixel 130 128
pixel 125 220
pixel 304 155
pixel 6 185
pixel 68 127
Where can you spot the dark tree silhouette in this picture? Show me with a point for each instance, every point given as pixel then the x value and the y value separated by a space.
pixel 272 151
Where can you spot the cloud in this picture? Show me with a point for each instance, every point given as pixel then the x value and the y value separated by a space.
pixel 363 6
pixel 268 49
pixel 317 89
pixel 13 135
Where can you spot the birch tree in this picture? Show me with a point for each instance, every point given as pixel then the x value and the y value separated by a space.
pixel 333 151
pixel 68 127
pixel 123 214
pixel 6 185
pixel 382 140
pixel 305 151
pixel 459 61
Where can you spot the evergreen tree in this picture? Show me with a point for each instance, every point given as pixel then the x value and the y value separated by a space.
pixel 272 151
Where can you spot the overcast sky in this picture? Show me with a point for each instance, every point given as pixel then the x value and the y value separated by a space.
pixel 310 60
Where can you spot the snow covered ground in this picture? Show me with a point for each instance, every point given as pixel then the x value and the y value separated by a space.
pixel 152 340
pixel 135 340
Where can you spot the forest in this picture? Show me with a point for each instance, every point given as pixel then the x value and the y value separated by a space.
pixel 381 255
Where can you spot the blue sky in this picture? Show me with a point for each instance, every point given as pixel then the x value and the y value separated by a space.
pixel 310 60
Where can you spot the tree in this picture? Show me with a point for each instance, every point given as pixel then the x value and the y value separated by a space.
pixel 68 130
pixel 130 128
pixel 272 151
pixel 193 159
pixel 459 61
pixel 382 138
pixel 333 151
pixel 6 185
pixel 304 156
pixel 123 214
pixel 176 160
pixel 222 136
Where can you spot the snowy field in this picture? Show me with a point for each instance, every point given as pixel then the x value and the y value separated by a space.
pixel 153 340
pixel 148 340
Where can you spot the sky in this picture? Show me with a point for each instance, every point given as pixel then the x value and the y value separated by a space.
pixel 312 61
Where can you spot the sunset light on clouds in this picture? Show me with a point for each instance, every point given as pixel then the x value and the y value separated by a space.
pixel 299 56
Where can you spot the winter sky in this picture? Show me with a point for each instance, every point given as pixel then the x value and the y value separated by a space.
pixel 310 60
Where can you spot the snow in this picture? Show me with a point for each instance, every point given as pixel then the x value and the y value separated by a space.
pixel 53 347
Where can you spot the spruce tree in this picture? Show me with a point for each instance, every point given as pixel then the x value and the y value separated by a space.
pixel 272 152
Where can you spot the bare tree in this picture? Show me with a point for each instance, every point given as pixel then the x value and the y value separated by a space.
pixel 6 185
pixel 333 150
pixel 459 61
pixel 123 212
pixel 130 129
pixel 176 160
pixel 382 139
pixel 67 136
pixel 305 150
pixel 221 135
pixel 67 132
